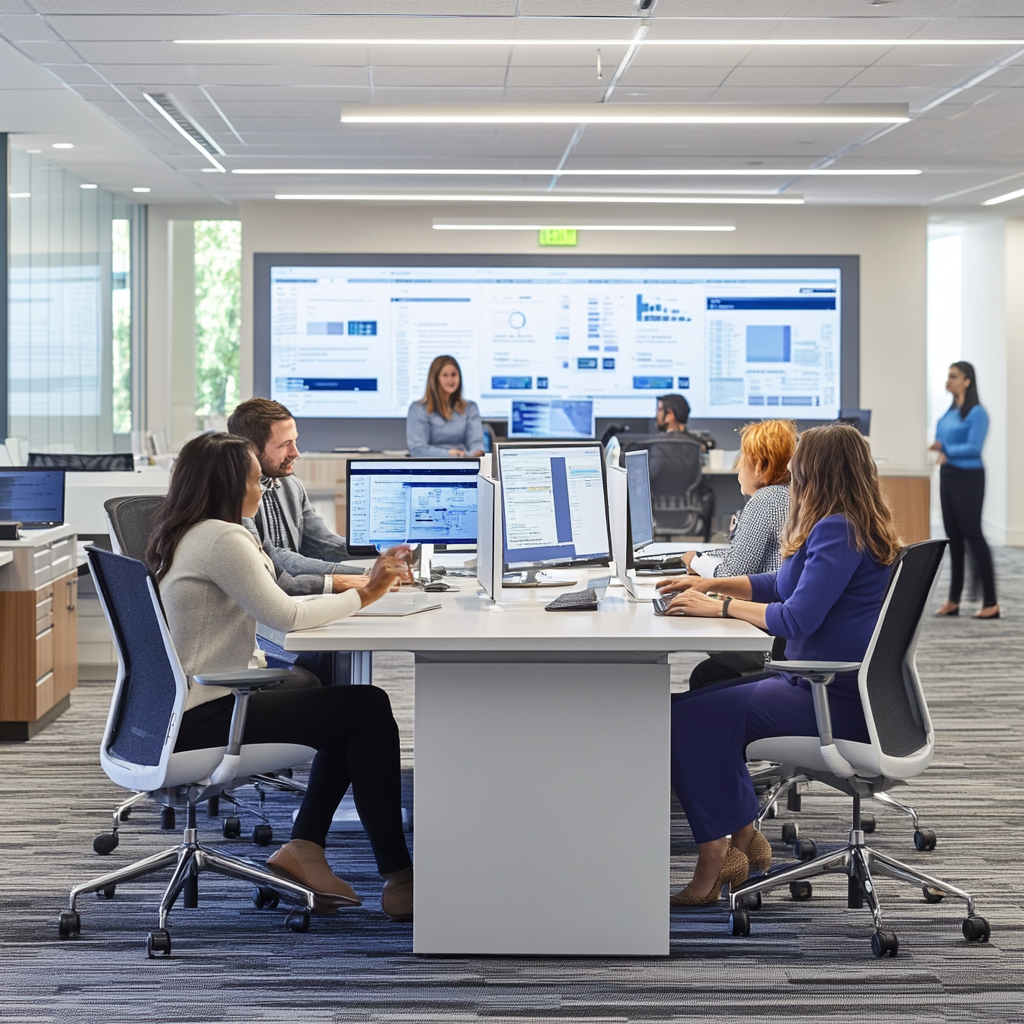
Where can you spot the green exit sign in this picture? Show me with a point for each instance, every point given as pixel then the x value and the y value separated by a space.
pixel 556 236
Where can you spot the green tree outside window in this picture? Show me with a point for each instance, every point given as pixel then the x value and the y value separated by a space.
pixel 218 268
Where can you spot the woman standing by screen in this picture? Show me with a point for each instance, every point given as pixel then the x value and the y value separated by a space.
pixel 959 438
pixel 443 423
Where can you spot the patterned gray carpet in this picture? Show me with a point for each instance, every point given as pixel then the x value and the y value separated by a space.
pixel 803 961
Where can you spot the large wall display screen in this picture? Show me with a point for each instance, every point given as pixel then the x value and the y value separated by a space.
pixel 739 341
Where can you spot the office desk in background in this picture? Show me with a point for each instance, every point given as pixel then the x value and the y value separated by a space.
pixel 86 493
pixel 542 767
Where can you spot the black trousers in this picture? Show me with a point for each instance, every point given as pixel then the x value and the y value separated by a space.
pixel 961 494
pixel 356 739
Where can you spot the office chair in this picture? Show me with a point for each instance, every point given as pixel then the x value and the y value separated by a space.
pixel 77 463
pixel 900 748
pixel 130 523
pixel 681 502
pixel 138 753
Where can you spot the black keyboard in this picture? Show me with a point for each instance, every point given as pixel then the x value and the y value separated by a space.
pixel 660 562
pixel 577 601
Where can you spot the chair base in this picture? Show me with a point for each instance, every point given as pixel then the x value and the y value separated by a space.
pixel 857 861
pixel 188 860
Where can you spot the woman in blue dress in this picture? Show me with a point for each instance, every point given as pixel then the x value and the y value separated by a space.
pixel 442 423
pixel 837 548
pixel 959 438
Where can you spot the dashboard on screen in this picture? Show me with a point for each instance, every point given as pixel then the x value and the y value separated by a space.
pixel 757 337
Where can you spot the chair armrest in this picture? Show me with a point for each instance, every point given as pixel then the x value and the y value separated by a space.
pixel 243 679
pixel 809 669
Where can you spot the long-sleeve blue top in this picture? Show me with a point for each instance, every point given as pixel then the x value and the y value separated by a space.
pixel 963 439
pixel 430 435
pixel 826 597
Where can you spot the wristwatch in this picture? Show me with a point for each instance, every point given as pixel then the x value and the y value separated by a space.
pixel 726 601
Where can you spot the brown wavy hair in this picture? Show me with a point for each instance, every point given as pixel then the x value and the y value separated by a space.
pixel 208 482
pixel 833 474
pixel 768 446
pixel 437 400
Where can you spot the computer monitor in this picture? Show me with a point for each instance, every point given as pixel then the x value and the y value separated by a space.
pixel 638 490
pixel 552 418
pixel 32 497
pixel 418 501
pixel 859 418
pixel 554 506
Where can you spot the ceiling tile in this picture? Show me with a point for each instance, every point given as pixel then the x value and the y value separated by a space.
pixel 642 77
pixel 832 76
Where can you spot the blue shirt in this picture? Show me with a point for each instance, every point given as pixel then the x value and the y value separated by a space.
pixel 429 435
pixel 963 439
pixel 826 597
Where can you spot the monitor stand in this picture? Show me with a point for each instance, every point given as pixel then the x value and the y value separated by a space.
pixel 533 578
pixel 423 569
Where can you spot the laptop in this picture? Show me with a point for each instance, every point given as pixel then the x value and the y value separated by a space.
pixel 32 496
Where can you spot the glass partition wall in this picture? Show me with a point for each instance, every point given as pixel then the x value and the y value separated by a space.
pixel 70 311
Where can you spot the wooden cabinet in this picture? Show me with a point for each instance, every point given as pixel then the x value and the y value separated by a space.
pixel 909 497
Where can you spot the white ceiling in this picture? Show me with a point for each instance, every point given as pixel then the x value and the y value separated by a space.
pixel 76 70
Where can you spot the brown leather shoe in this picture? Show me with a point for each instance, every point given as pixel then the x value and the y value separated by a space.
pixel 396 899
pixel 734 871
pixel 305 862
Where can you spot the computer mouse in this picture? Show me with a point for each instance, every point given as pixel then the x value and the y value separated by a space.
pixel 436 587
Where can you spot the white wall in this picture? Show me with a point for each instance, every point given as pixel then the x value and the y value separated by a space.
pixel 891 242
pixel 1015 382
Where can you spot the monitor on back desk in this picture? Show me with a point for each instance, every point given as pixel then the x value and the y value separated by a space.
pixel 554 507
pixel 414 501
pixel 569 420
pixel 32 497
pixel 638 489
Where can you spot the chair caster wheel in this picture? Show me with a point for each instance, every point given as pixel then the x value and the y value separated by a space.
pixel 804 849
pixel 107 893
pixel 801 891
pixel 167 819
pixel 287 773
pixel 760 788
pixel 794 801
pixel 739 922
pixel 884 944
pixel 751 901
pixel 158 942
pixel 70 924
pixel 104 843
pixel 933 895
pixel 262 835
pixel 867 823
pixel 924 839
pixel 976 929
pixel 772 809
pixel 232 828
pixel 264 897
pixel 790 833
pixel 298 920
pixel 125 814
pixel 213 807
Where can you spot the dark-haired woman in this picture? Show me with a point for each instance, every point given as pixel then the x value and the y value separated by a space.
pixel 443 423
pixel 837 547
pixel 959 438
pixel 216 583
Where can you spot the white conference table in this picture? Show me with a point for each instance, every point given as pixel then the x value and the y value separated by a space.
pixel 542 766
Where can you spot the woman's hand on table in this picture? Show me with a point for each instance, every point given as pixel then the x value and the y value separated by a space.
pixel 679 584
pixel 343 582
pixel 695 602
pixel 456 453
pixel 386 572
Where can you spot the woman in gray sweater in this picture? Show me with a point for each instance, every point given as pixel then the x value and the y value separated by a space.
pixel 216 583
pixel 443 424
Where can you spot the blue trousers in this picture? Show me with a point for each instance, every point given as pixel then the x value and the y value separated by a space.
pixel 711 728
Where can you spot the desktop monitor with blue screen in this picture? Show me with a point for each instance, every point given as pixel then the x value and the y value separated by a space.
pixel 32 497
pixel 564 419
pixel 554 507
pixel 415 501
pixel 638 489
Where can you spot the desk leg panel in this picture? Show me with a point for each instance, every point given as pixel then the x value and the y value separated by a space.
pixel 542 809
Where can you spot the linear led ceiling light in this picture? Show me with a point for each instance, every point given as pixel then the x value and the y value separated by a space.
pixel 600 42
pixel 1005 198
pixel 544 197
pixel 625 113
pixel 577 226
pixel 185 126
pixel 777 172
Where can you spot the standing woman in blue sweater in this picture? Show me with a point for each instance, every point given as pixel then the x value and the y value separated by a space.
pixel 959 438
pixel 442 423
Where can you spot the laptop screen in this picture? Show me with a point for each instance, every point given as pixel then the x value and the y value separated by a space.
pixel 32 497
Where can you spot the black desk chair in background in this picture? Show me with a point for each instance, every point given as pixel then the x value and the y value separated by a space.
pixel 137 752
pixel 73 462
pixel 901 745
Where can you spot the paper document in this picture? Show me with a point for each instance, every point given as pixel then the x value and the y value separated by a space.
pixel 401 604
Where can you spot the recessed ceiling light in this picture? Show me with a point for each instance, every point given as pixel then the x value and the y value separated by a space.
pixel 19 195
pixel 600 42
pixel 544 197
pixel 184 125
pixel 88 186
pixel 63 145
pixel 33 151
pixel 1005 198
pixel 625 113
pixel 694 172
pixel 142 190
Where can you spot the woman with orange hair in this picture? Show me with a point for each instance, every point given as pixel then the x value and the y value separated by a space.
pixel 837 548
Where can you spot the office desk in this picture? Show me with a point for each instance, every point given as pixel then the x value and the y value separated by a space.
pixel 542 767
pixel 86 493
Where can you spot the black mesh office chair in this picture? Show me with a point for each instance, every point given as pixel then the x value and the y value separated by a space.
pixel 681 502
pixel 130 522
pixel 116 462
pixel 137 751
pixel 900 747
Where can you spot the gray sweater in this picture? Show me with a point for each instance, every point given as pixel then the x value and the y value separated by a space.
pixel 429 435
pixel 219 585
